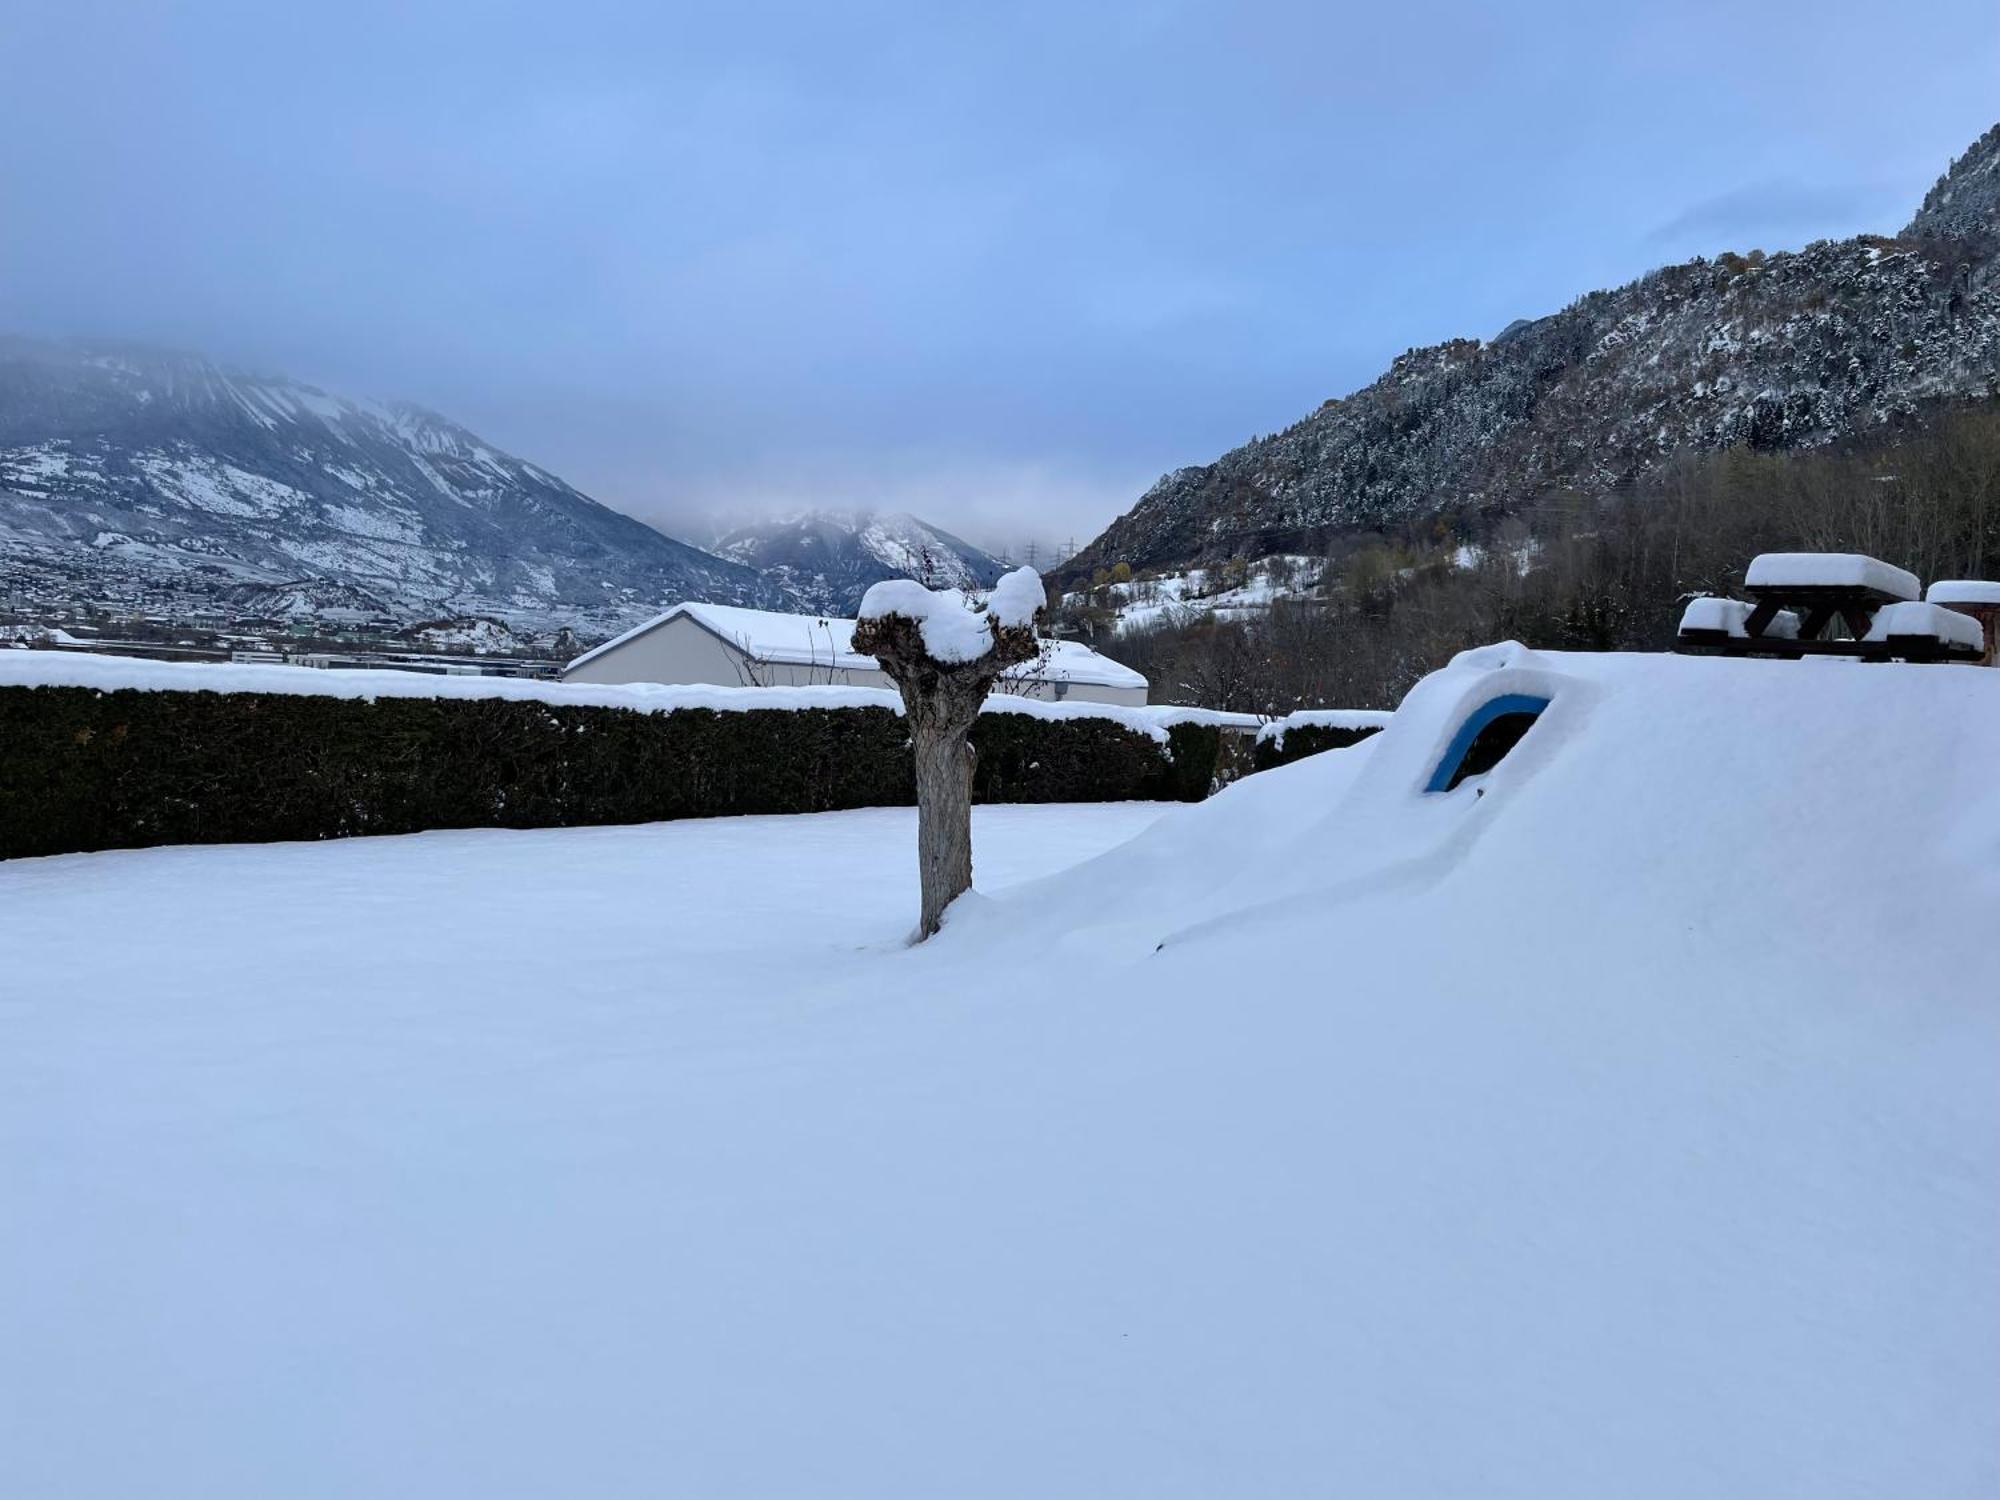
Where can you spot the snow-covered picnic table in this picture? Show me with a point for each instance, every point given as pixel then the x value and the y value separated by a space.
pixel 1797 597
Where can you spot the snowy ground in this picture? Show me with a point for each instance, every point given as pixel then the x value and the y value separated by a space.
pixel 1620 1124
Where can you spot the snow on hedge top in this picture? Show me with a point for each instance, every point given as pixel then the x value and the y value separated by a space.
pixel 110 674
pixel 951 631
pixel 1963 591
pixel 1016 599
pixel 1830 570
pixel 1927 621
pixel 1324 718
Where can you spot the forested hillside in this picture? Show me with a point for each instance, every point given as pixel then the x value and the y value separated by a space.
pixel 1569 482
pixel 1592 571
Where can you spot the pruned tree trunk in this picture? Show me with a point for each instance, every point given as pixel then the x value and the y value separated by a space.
pixel 940 705
pixel 941 698
pixel 944 821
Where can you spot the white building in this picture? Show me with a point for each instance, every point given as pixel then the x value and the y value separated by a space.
pixel 730 647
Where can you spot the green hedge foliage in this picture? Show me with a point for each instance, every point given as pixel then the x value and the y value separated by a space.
pixel 82 769
pixel 1302 740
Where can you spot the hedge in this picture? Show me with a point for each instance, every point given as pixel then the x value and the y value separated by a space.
pixel 85 769
pixel 1300 740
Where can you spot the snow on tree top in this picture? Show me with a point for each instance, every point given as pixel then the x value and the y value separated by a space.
pixel 952 632
pixel 1017 598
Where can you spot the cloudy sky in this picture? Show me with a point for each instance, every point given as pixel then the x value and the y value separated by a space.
pixel 999 264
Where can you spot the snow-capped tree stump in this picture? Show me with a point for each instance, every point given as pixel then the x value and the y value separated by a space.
pixel 944 657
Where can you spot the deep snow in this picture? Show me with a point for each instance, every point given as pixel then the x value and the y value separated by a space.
pixel 1621 1123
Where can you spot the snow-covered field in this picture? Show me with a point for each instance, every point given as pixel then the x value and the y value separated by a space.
pixel 1621 1123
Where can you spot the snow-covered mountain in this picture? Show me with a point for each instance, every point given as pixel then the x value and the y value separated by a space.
pixel 1791 350
pixel 139 476
pixel 826 559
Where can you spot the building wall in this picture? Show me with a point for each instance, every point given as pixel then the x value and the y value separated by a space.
pixel 678 651
pixel 1079 692
pixel 683 651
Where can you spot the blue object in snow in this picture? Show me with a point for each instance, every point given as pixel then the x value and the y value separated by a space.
pixel 1446 774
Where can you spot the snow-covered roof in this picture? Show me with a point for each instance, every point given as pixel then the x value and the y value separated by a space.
pixel 1072 661
pixel 762 634
pixel 817 640
pixel 1830 570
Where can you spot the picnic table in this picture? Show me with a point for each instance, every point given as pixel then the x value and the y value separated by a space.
pixel 1797 598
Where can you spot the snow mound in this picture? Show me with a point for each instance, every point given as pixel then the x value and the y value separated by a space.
pixel 1932 622
pixel 952 632
pixel 1713 613
pixel 1017 598
pixel 1732 618
pixel 1639 1087
pixel 1963 591
pixel 1322 718
pixel 1830 570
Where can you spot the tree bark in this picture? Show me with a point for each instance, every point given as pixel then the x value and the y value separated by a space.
pixel 944 819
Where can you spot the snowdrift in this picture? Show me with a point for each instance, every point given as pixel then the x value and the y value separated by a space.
pixel 1812 815
pixel 1621 1122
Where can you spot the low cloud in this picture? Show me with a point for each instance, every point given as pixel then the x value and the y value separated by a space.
pixel 999 504
pixel 1783 212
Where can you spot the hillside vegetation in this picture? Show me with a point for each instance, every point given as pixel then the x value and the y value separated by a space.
pixel 1601 570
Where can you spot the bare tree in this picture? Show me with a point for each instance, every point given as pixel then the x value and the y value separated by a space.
pixel 944 659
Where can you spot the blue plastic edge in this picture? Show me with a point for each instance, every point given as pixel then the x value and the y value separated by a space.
pixel 1478 719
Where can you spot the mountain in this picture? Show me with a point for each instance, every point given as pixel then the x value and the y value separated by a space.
pixel 826 559
pixel 1790 350
pixel 141 477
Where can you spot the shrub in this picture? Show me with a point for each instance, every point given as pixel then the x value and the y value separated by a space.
pixel 1301 740
pixel 83 769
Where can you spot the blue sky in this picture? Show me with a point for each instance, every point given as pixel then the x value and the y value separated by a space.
pixel 1002 265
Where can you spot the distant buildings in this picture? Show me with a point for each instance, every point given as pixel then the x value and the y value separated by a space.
pixel 731 647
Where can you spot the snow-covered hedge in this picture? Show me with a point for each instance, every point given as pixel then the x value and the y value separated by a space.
pixel 143 753
pixel 1312 730
pixel 111 673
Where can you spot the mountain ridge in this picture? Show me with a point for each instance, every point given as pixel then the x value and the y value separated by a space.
pixel 156 475
pixel 827 558
pixel 1793 349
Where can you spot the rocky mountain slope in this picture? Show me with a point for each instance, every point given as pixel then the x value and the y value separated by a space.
pixel 826 559
pixel 1782 351
pixel 143 477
